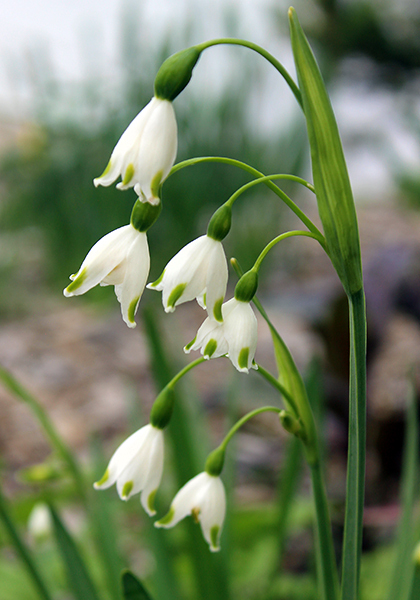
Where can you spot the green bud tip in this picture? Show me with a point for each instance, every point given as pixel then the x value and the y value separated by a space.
pixel 215 461
pixel 247 286
pixel 175 73
pixel 220 223
pixel 161 412
pixel 144 215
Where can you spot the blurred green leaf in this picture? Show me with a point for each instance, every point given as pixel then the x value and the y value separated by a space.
pixel 79 579
pixel 403 571
pixel 133 588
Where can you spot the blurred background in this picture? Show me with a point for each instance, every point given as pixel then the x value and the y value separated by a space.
pixel 72 76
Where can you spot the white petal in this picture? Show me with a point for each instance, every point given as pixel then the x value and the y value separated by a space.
pixel 241 335
pixel 102 258
pixel 217 278
pixel 212 513
pixel 137 265
pixel 121 457
pixel 125 151
pixel 210 330
pixel 186 499
pixel 158 146
pixel 146 458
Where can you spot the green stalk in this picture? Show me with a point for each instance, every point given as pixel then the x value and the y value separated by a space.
pixel 353 521
pixel 23 551
pixel 259 50
pixel 56 441
pixel 324 543
pixel 272 186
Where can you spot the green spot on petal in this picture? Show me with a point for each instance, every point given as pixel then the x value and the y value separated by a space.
pixel 158 280
pixel 77 282
pixel 214 535
pixel 217 310
pixel 132 309
pixel 205 299
pixel 210 348
pixel 103 479
pixel 151 501
pixel 243 358
pixel 176 294
pixel 106 171
pixel 188 347
pixel 128 486
pixel 155 185
pixel 129 173
pixel 166 519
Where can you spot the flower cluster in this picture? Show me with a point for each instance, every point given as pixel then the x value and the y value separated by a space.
pixel 143 158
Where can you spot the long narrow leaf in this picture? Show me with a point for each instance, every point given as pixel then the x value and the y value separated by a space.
pixel 133 588
pixel 78 577
pixel 22 551
pixel 403 572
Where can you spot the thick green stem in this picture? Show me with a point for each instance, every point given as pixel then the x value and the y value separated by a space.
pixel 353 523
pixel 271 59
pixel 22 550
pixel 327 566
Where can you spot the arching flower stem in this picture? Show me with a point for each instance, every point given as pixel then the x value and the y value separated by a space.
pixel 258 175
pixel 244 420
pixel 184 371
pixel 271 59
pixel 290 402
pixel 284 236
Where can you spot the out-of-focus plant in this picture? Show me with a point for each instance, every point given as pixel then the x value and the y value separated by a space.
pixel 144 159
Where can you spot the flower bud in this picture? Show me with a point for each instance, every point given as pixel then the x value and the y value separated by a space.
pixel 175 73
pixel 290 423
pixel 247 286
pixel 144 215
pixel 161 412
pixel 219 225
pixel 214 462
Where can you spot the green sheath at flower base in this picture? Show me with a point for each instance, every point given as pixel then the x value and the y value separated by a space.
pixel 144 215
pixel 291 424
pixel 220 223
pixel 161 412
pixel 331 180
pixel 247 286
pixel 175 73
pixel 215 461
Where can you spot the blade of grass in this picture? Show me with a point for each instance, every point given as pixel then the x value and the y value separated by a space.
pixel 79 579
pixel 133 588
pixel 12 384
pixel 209 569
pixel 403 572
pixel 23 551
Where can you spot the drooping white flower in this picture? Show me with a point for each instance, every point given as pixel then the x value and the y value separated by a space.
pixel 121 258
pixel 204 498
pixel 137 466
pixel 39 522
pixel 145 153
pixel 198 271
pixel 236 336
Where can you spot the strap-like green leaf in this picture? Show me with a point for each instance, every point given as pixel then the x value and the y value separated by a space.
pixel 78 577
pixel 403 572
pixel 331 180
pixel 133 588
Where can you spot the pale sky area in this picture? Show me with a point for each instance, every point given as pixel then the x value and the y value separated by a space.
pixel 81 37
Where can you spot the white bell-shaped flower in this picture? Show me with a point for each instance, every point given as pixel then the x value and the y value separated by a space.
pixel 204 498
pixel 137 466
pixel 145 153
pixel 121 258
pixel 236 336
pixel 198 271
